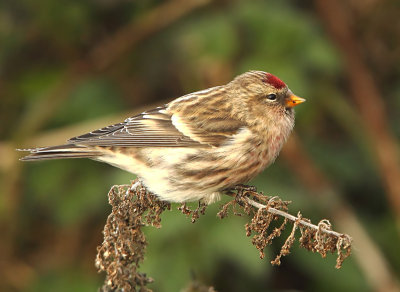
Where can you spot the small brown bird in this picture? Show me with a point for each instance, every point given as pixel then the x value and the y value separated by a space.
pixel 197 145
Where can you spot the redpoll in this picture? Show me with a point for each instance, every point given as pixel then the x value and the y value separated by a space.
pixel 197 145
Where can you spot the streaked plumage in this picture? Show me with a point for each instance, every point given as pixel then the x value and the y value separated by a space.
pixel 198 144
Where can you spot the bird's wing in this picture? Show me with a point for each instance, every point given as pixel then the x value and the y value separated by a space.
pixel 161 128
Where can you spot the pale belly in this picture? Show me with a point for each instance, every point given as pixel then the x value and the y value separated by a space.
pixel 190 174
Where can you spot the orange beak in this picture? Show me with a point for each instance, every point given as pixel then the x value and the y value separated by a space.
pixel 293 100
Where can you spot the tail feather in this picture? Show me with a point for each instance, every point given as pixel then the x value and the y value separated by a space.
pixel 60 152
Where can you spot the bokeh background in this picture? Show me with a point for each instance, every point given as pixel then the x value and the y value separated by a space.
pixel 70 66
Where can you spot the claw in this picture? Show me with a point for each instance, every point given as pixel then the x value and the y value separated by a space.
pixel 241 187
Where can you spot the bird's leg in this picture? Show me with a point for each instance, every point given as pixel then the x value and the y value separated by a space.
pixel 239 191
pixel 243 188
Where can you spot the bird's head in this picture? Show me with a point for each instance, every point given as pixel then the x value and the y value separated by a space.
pixel 263 94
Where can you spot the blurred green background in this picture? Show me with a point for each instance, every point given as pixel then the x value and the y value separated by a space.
pixel 68 66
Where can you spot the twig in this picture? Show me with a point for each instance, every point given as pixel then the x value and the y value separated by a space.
pixel 133 207
pixel 316 238
pixel 292 218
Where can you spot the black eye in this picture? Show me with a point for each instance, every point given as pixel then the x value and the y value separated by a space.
pixel 271 96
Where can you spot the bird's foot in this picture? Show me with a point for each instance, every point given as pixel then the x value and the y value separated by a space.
pixel 243 188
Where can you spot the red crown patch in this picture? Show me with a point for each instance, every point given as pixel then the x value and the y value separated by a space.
pixel 275 81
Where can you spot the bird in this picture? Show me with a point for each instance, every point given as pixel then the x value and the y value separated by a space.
pixel 198 145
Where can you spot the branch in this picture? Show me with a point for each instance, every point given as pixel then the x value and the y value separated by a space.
pixel 292 218
pixel 133 207
pixel 317 238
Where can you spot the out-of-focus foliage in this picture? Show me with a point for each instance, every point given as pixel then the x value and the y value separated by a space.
pixel 52 213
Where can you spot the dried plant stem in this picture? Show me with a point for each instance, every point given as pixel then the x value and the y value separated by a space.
pixel 133 207
pixel 292 218
pixel 318 238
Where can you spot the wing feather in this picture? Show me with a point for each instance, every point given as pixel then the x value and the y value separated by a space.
pixel 162 127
